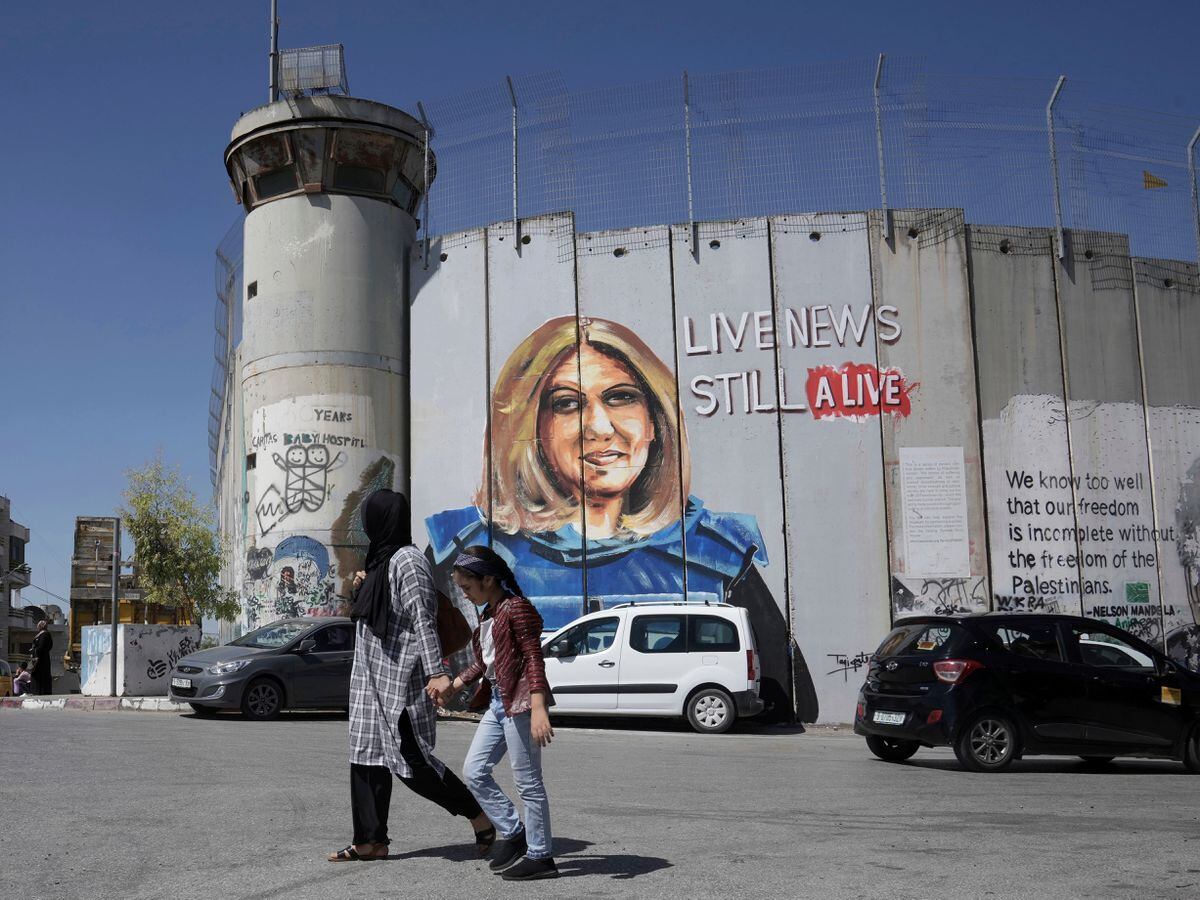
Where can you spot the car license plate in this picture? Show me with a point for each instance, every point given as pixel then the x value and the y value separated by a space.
pixel 883 717
pixel 187 683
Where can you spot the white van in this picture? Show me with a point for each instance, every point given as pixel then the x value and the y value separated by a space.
pixel 693 660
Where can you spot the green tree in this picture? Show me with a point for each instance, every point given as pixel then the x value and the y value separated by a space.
pixel 177 549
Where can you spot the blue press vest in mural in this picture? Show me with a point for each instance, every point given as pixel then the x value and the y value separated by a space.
pixel 549 566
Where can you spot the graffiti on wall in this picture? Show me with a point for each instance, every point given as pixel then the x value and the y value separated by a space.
pixel 296 578
pixel 146 654
pixel 157 668
pixel 852 390
pixel 938 596
pixel 313 463
pixel 299 438
pixel 1077 538
pixel 847 664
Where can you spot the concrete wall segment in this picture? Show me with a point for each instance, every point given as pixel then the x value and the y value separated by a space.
pixel 326 272
pixel 1166 293
pixel 629 286
pixel 832 467
pixel 1107 422
pixel 1026 454
pixel 925 278
pixel 450 380
pixel 531 281
pixel 731 397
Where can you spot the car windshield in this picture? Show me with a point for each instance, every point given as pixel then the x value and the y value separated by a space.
pixel 271 636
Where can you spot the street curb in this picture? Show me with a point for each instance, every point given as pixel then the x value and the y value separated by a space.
pixel 93 704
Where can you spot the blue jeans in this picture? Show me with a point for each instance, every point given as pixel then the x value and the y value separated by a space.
pixel 497 734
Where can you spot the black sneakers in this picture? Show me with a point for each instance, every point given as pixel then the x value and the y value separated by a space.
pixel 529 869
pixel 506 850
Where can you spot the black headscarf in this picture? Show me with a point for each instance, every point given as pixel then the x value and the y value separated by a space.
pixel 385 518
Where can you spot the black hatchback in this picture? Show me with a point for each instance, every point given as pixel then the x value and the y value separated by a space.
pixel 996 687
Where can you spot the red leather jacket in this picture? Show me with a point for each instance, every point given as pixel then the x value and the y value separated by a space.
pixel 520 669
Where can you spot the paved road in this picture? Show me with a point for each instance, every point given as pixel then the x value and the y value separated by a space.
pixel 157 805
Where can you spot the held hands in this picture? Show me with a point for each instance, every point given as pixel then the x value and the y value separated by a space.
pixel 439 688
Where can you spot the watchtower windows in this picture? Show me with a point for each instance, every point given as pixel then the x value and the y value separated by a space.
pixel 358 179
pixel 281 181
pixel 310 151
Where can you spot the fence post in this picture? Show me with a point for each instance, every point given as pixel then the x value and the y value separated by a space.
pixel 883 200
pixel 512 93
pixel 687 149
pixel 425 191
pixel 1191 153
pixel 1058 222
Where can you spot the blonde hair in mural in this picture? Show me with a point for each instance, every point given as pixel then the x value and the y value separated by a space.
pixel 526 494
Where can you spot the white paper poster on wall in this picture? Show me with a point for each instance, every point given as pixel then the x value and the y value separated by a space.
pixel 933 496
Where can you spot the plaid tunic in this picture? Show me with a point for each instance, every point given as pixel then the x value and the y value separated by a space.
pixel 389 675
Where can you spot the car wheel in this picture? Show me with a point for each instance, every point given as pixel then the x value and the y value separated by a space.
pixel 1191 752
pixel 988 743
pixel 711 711
pixel 262 700
pixel 1097 760
pixel 891 749
pixel 204 712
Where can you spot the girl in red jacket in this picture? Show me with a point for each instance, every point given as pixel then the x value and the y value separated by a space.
pixel 508 653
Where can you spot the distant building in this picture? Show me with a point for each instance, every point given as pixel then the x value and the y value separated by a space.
pixel 91 586
pixel 14 572
pixel 18 621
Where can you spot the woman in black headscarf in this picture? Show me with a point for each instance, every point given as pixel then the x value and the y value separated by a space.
pixel 397 664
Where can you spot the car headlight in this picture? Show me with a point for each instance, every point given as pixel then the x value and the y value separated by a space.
pixel 224 668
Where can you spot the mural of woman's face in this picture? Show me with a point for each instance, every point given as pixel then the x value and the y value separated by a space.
pixel 608 420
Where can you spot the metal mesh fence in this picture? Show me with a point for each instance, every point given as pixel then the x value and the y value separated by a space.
pixel 825 137
pixel 227 317
pixel 313 70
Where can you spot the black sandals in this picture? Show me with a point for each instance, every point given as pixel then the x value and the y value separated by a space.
pixel 349 854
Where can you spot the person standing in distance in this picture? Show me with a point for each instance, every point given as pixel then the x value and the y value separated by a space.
pixel 397 665
pixel 39 659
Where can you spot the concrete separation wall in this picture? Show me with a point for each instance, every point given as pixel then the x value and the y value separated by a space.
pixel 825 423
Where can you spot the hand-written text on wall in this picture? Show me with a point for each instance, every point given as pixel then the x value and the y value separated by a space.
pixel 1082 537
pixel 853 390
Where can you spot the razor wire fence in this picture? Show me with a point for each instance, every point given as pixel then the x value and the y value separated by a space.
pixel 849 136
pixel 841 136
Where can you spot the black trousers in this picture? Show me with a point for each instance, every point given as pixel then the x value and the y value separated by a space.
pixel 371 790
pixel 43 681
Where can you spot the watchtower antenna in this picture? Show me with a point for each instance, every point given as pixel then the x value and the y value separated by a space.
pixel 273 84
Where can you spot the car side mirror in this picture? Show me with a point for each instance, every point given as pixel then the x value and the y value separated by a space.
pixel 306 646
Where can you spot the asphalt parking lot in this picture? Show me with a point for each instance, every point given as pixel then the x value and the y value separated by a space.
pixel 153 805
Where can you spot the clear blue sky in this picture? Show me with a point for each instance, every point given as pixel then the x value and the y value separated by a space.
pixel 116 115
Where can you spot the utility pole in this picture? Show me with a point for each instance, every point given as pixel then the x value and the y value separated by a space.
pixel 116 603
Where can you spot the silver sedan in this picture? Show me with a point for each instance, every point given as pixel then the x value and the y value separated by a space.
pixel 301 663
